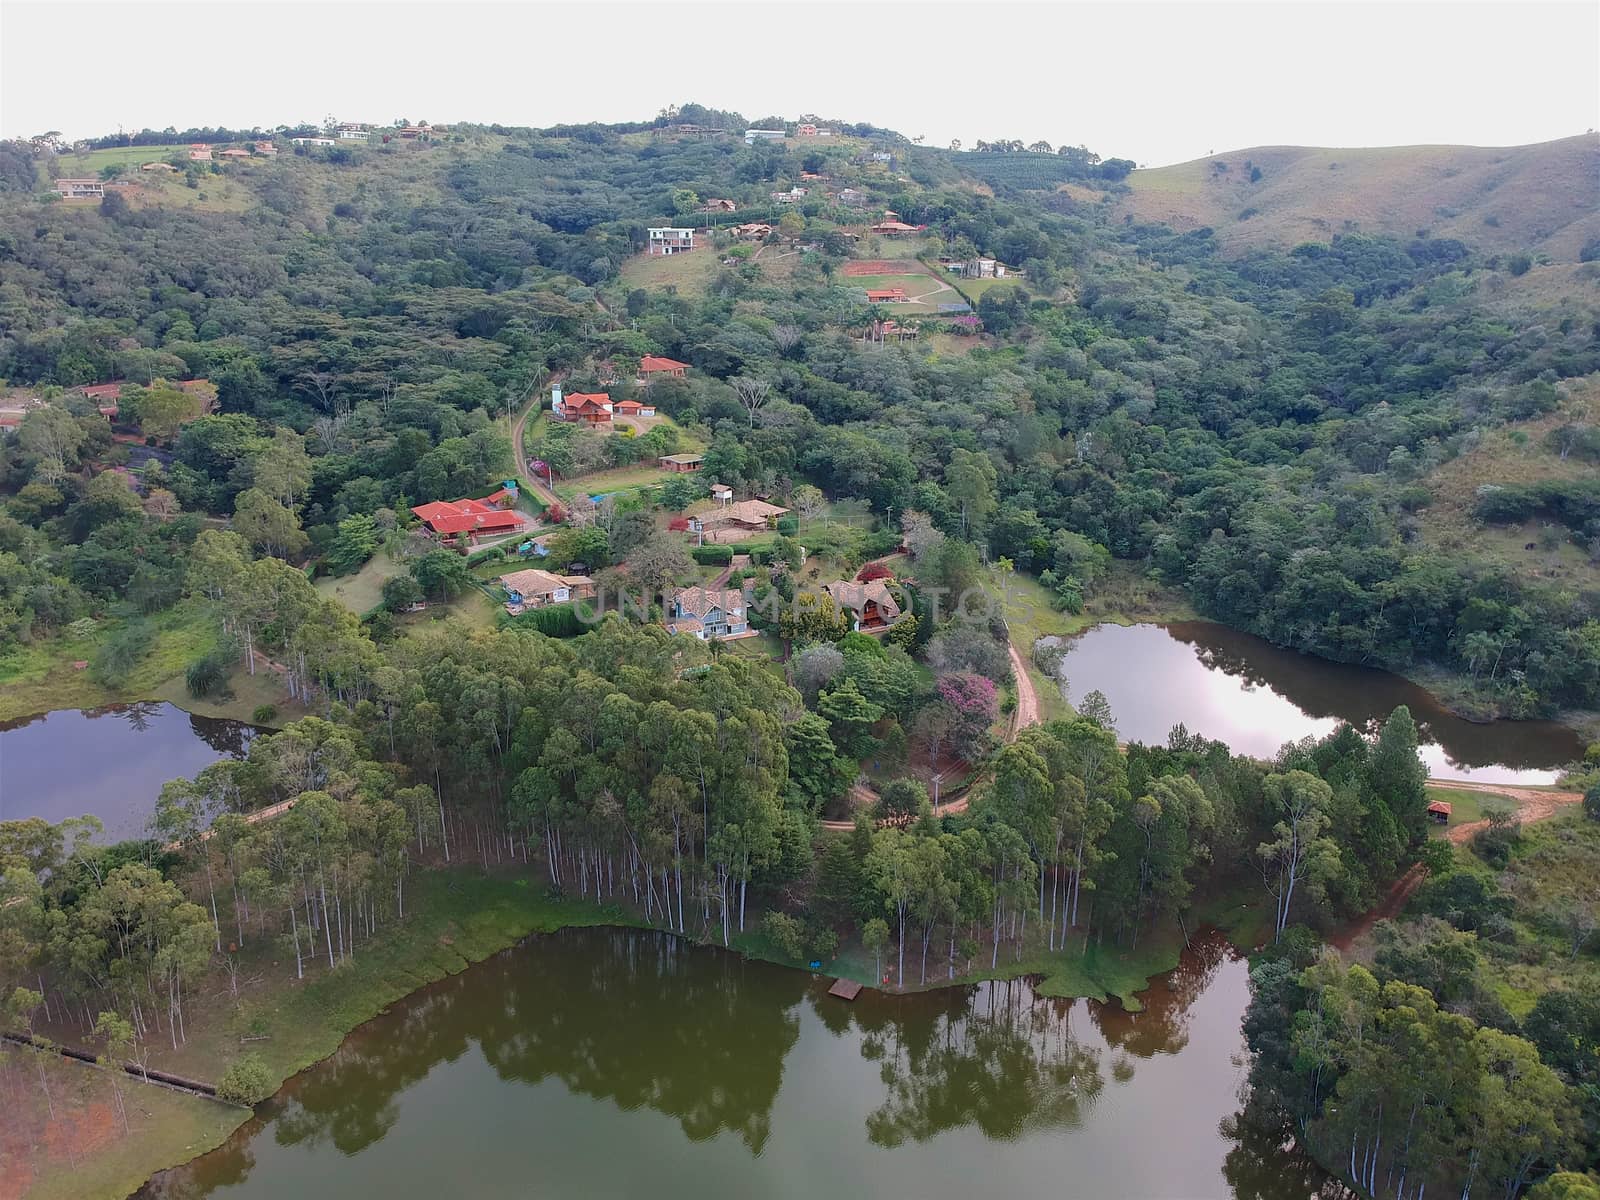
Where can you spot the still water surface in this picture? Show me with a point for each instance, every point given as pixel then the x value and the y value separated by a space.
pixel 1254 696
pixel 107 762
pixel 614 1062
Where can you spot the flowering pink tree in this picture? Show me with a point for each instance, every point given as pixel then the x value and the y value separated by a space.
pixel 974 704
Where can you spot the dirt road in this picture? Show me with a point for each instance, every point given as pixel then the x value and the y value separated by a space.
pixel 1533 804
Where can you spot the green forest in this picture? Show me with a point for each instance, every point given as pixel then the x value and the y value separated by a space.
pixel 1130 416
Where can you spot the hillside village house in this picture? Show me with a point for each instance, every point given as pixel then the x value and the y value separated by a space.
pixel 314 141
pixel 107 397
pixel 490 516
pixel 418 133
pixel 536 588
pixel 634 408
pixel 715 205
pixel 79 189
pixel 590 408
pixel 722 493
pixel 752 230
pixel 752 136
pixel 707 613
pixel 854 197
pixel 670 240
pixel 199 152
pixel 893 228
pixel 872 609
pixel 680 464
pixel 266 150
pixel 887 296
pixel 158 166
pixel 653 366
pixel 351 133
pixel 732 521
pixel 792 196
pixel 233 153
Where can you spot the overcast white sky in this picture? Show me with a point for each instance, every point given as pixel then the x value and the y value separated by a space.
pixel 1155 82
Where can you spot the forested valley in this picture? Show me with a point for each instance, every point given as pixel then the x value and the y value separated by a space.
pixel 1134 414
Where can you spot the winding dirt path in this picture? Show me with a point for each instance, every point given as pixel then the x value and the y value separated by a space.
pixel 1533 804
pixel 538 486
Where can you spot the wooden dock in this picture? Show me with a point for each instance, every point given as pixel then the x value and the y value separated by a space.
pixel 845 989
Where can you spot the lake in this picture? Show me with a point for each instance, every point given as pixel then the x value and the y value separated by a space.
pixel 612 1062
pixel 1254 696
pixel 108 762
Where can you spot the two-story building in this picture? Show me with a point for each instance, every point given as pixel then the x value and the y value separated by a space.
pixel 670 240
pixel 870 606
pixel 589 408
pixel 79 189
pixel 707 613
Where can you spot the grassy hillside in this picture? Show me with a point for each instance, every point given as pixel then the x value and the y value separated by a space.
pixel 1517 453
pixel 1539 198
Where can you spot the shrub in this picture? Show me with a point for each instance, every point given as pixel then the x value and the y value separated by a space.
pixel 264 714
pixel 788 526
pixel 488 554
pixel 712 556
pixel 246 1081
pixel 554 620
pixel 208 674
pixel 785 933
pixel 1591 803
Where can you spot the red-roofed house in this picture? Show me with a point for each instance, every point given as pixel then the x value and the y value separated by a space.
pixel 476 518
pixel 593 408
pixel 653 366
pixel 886 296
pixel 893 228
pixel 199 152
pixel 108 395
pixel 1439 812
pixel 634 408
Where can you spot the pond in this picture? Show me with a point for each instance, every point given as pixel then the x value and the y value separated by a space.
pixel 611 1062
pixel 1254 696
pixel 107 762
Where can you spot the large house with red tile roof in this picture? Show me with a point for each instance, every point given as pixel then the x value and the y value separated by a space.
pixel 633 408
pixel 488 517
pixel 591 408
pixel 653 366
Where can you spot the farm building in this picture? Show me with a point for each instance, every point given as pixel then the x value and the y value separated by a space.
pixel 670 240
pixel 681 463
pixel 887 296
pixel 1439 812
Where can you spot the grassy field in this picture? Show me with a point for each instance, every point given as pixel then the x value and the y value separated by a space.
pixel 617 479
pixel 1553 864
pixel 1540 197
pixel 40 677
pixel 1514 454
pixel 363 591
pixel 691 274
pixel 84 1153
pixel 926 293
pixel 91 162
pixel 1465 806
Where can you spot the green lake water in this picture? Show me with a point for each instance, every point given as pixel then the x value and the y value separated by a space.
pixel 607 1062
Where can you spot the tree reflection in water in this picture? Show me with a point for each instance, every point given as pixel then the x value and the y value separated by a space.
pixel 644 1021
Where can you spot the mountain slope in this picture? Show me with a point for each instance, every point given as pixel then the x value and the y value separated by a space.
pixel 1540 198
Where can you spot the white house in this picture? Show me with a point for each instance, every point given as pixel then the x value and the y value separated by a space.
pixel 752 136
pixel 314 141
pixel 722 493
pixel 670 240
pixel 793 195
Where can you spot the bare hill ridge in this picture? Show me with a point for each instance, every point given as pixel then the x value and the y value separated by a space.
pixel 1540 198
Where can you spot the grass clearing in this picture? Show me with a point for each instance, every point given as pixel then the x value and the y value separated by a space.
pixel 691 274
pixel 83 1153
pixel 363 591
pixel 41 676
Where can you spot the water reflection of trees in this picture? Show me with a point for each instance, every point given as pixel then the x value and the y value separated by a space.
pixel 641 1019
pixel 997 1057
pixel 1162 1027
pixel 225 737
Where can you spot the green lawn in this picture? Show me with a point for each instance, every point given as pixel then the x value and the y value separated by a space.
pixel 1465 806
pixel 923 289
pixel 617 479
pixel 363 591
pixel 40 676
